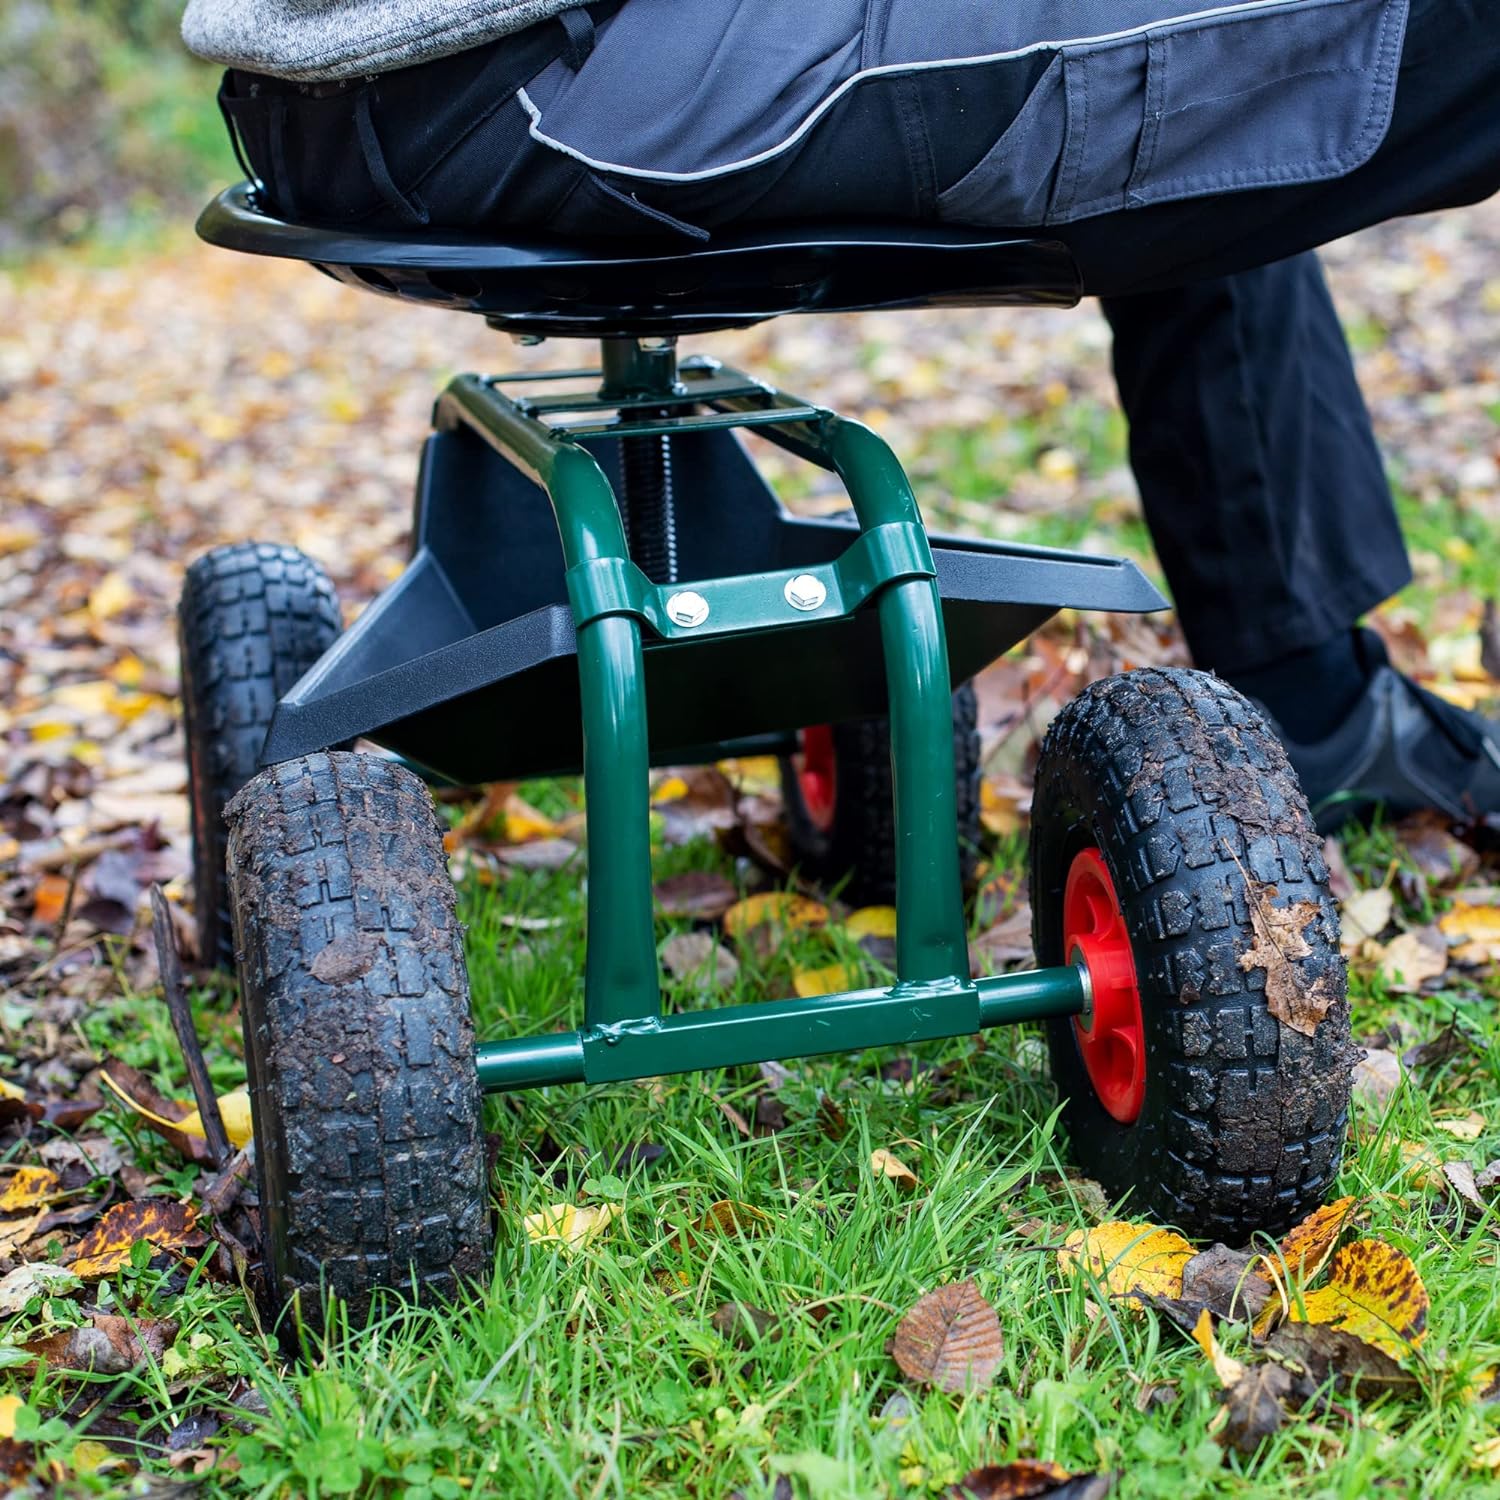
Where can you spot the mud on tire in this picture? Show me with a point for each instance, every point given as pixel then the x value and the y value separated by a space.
pixel 860 839
pixel 358 1041
pixel 252 619
pixel 1190 799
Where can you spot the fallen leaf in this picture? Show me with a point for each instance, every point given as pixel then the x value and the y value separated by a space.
pixel 106 1247
pixel 784 910
pixel 234 1111
pixel 1225 1283
pixel 106 1345
pixel 50 899
pixel 1230 1371
pixel 1254 1407
pixel 1373 1292
pixel 1128 1259
pixel 1477 929
pixel 1460 1178
pixel 728 1217
pixel 1488 1177
pixel 1323 1353
pixel 30 1188
pixel 950 1339
pixel 9 1406
pixel 1451 1041
pixel 700 895
pixel 1377 1075
pixel 1432 848
pixel 872 922
pixel 1000 807
pixel 883 1164
pixel 1412 958
pixel 1030 1479
pixel 1364 915
pixel 37 1279
pixel 1306 1246
pixel 830 979
pixel 1293 998
pixel 687 955
pixel 744 1325
pixel 1466 1127
pixel 570 1225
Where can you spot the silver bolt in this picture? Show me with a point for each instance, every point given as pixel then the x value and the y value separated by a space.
pixel 687 609
pixel 805 592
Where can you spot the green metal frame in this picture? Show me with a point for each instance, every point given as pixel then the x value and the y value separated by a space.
pixel 888 567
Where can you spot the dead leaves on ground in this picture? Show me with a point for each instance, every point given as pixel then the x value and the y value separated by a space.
pixel 950 1339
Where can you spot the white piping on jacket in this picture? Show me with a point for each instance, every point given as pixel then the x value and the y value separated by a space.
pixel 703 173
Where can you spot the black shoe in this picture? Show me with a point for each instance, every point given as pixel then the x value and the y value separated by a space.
pixel 1401 749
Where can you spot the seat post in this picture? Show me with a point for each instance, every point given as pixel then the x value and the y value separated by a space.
pixel 633 368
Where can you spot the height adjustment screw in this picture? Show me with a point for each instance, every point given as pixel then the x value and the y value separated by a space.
pixel 687 609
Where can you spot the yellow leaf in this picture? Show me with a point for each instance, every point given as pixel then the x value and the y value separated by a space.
pixel 89 1457
pixel 1373 1292
pixel 1230 1371
pixel 106 1247
pixel 234 1111
pixel 1306 1246
pixel 669 789
pixel 773 908
pixel 524 823
pixel 10 1091
pixel 872 921
pixel 729 1217
pixel 110 595
pixel 9 1406
pixel 29 1189
pixel 1128 1259
pixel 1487 1454
pixel 883 1164
pixel 831 979
pixel 1479 926
pixel 570 1225
pixel 999 814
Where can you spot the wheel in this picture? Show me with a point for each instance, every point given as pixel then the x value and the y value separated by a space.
pixel 1172 849
pixel 358 1042
pixel 840 806
pixel 252 619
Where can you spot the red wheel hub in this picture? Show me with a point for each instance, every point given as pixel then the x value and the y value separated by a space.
pixel 1111 1038
pixel 817 776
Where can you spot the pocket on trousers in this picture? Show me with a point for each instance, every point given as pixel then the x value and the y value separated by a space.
pixel 1299 91
pixel 1013 182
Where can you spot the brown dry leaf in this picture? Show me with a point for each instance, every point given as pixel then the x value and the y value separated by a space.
pixel 728 1217
pixel 1377 1075
pixel 1128 1259
pixel 1373 1292
pixel 744 1325
pixel 1476 927
pixel 106 1344
pixel 165 1116
pixel 1030 1479
pixel 779 909
pixel 883 1164
pixel 950 1339
pixel 50 898
pixel 698 894
pixel 1409 960
pixel 698 955
pixel 30 1188
pixel 1255 1407
pixel 1226 1283
pixel 1306 1246
pixel 1278 947
pixel 1432 848
pixel 1468 1126
pixel 1459 1176
pixel 1322 1352
pixel 106 1246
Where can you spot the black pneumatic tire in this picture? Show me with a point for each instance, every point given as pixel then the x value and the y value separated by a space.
pixel 252 619
pixel 1192 803
pixel 861 839
pixel 358 1042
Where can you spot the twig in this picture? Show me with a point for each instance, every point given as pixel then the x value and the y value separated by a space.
pixel 169 961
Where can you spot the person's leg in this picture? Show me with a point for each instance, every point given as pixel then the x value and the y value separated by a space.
pixel 1260 478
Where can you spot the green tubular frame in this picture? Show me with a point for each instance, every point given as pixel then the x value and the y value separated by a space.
pixel 888 566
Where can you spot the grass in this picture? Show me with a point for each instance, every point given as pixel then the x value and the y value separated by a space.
pixel 599 1372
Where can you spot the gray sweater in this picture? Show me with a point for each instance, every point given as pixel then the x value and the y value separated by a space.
pixel 324 39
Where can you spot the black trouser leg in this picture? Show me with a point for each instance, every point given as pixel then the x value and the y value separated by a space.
pixel 1258 470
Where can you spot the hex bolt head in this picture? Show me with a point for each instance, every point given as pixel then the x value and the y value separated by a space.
pixel 687 609
pixel 805 592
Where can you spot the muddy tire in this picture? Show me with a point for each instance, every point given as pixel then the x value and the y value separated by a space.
pixel 1195 818
pixel 252 619
pixel 358 1042
pixel 840 806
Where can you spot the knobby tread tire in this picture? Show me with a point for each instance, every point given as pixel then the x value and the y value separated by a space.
pixel 1191 800
pixel 358 1041
pixel 861 843
pixel 252 619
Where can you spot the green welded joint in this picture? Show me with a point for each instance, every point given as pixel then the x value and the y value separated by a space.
pixel 646 1047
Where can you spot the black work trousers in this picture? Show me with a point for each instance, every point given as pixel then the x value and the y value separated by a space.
pixel 1257 467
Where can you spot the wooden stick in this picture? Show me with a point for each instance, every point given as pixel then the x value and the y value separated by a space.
pixel 169 961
